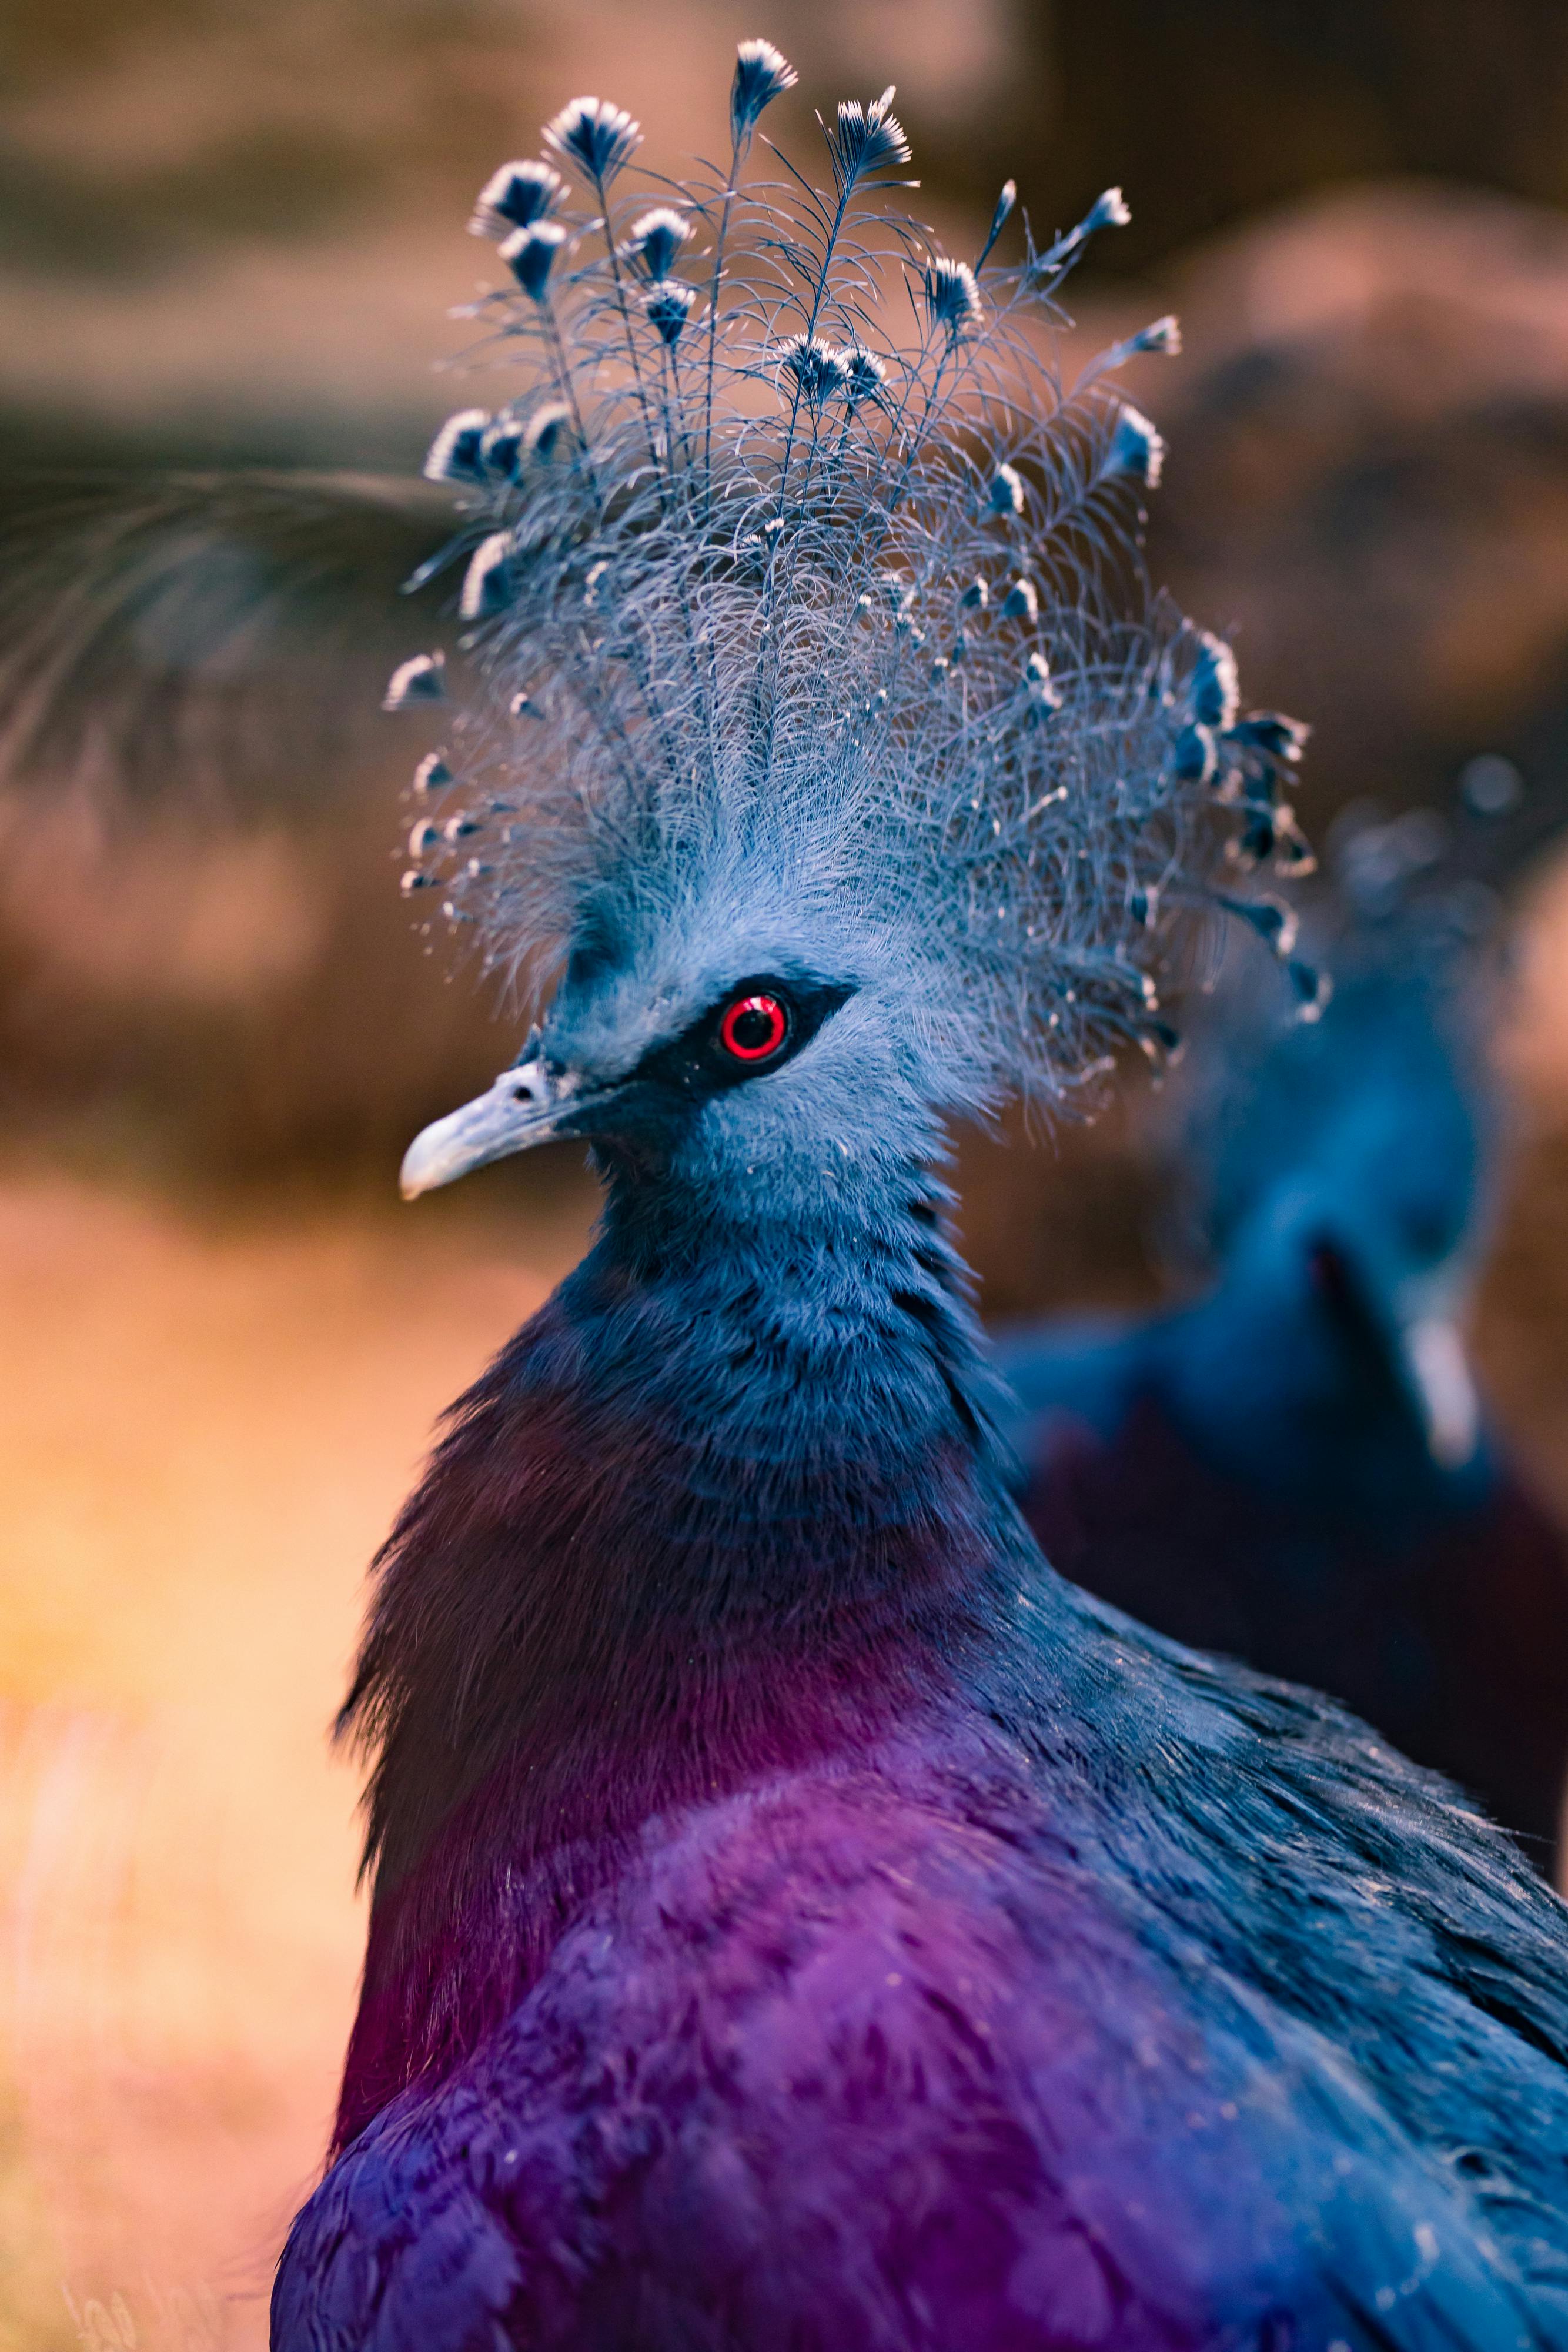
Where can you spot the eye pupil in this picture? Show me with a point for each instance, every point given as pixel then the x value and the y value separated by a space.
pixel 754 1028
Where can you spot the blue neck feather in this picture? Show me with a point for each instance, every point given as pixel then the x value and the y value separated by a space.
pixel 730 1497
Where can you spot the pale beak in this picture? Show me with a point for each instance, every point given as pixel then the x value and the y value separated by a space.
pixel 1418 1343
pixel 1445 1394
pixel 529 1103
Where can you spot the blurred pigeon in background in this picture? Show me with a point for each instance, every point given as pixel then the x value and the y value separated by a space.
pixel 1294 1467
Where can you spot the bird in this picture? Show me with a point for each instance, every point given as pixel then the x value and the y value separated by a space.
pixel 798 1916
pixel 1294 1466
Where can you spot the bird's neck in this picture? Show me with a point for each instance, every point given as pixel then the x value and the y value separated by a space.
pixel 727 1501
pixel 1274 1390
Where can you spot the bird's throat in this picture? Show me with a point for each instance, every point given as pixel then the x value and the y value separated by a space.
pixel 710 1513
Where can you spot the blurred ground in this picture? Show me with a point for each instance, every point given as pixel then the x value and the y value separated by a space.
pixel 204 1433
pixel 230 231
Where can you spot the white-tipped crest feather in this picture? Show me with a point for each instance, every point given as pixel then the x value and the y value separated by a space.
pixel 734 600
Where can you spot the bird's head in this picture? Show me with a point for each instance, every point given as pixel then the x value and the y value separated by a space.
pixel 1354 1195
pixel 829 770
pixel 728 1038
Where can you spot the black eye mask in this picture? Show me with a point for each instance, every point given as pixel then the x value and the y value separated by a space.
pixel 755 1026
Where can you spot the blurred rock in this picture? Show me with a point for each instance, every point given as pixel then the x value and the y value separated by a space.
pixel 205 968
pixel 1212 109
pixel 1368 482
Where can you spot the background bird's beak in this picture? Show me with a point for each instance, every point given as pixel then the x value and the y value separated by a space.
pixel 1438 1374
pixel 529 1103
pixel 1421 1346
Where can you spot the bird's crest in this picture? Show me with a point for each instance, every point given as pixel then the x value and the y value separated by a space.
pixel 794 549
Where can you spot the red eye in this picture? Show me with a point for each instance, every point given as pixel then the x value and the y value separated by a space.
pixel 754 1028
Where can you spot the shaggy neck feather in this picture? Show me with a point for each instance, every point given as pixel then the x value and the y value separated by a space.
pixel 727 1498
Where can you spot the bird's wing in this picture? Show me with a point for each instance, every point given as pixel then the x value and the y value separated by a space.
pixel 398 2250
pixel 435 2239
pixel 835 2070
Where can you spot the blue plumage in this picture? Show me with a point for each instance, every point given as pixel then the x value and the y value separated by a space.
pixel 800 1917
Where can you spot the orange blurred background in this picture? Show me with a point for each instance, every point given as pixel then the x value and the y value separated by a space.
pixel 233 233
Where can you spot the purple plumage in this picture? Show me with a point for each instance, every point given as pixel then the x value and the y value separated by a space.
pixel 801 1920
pixel 862 2056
